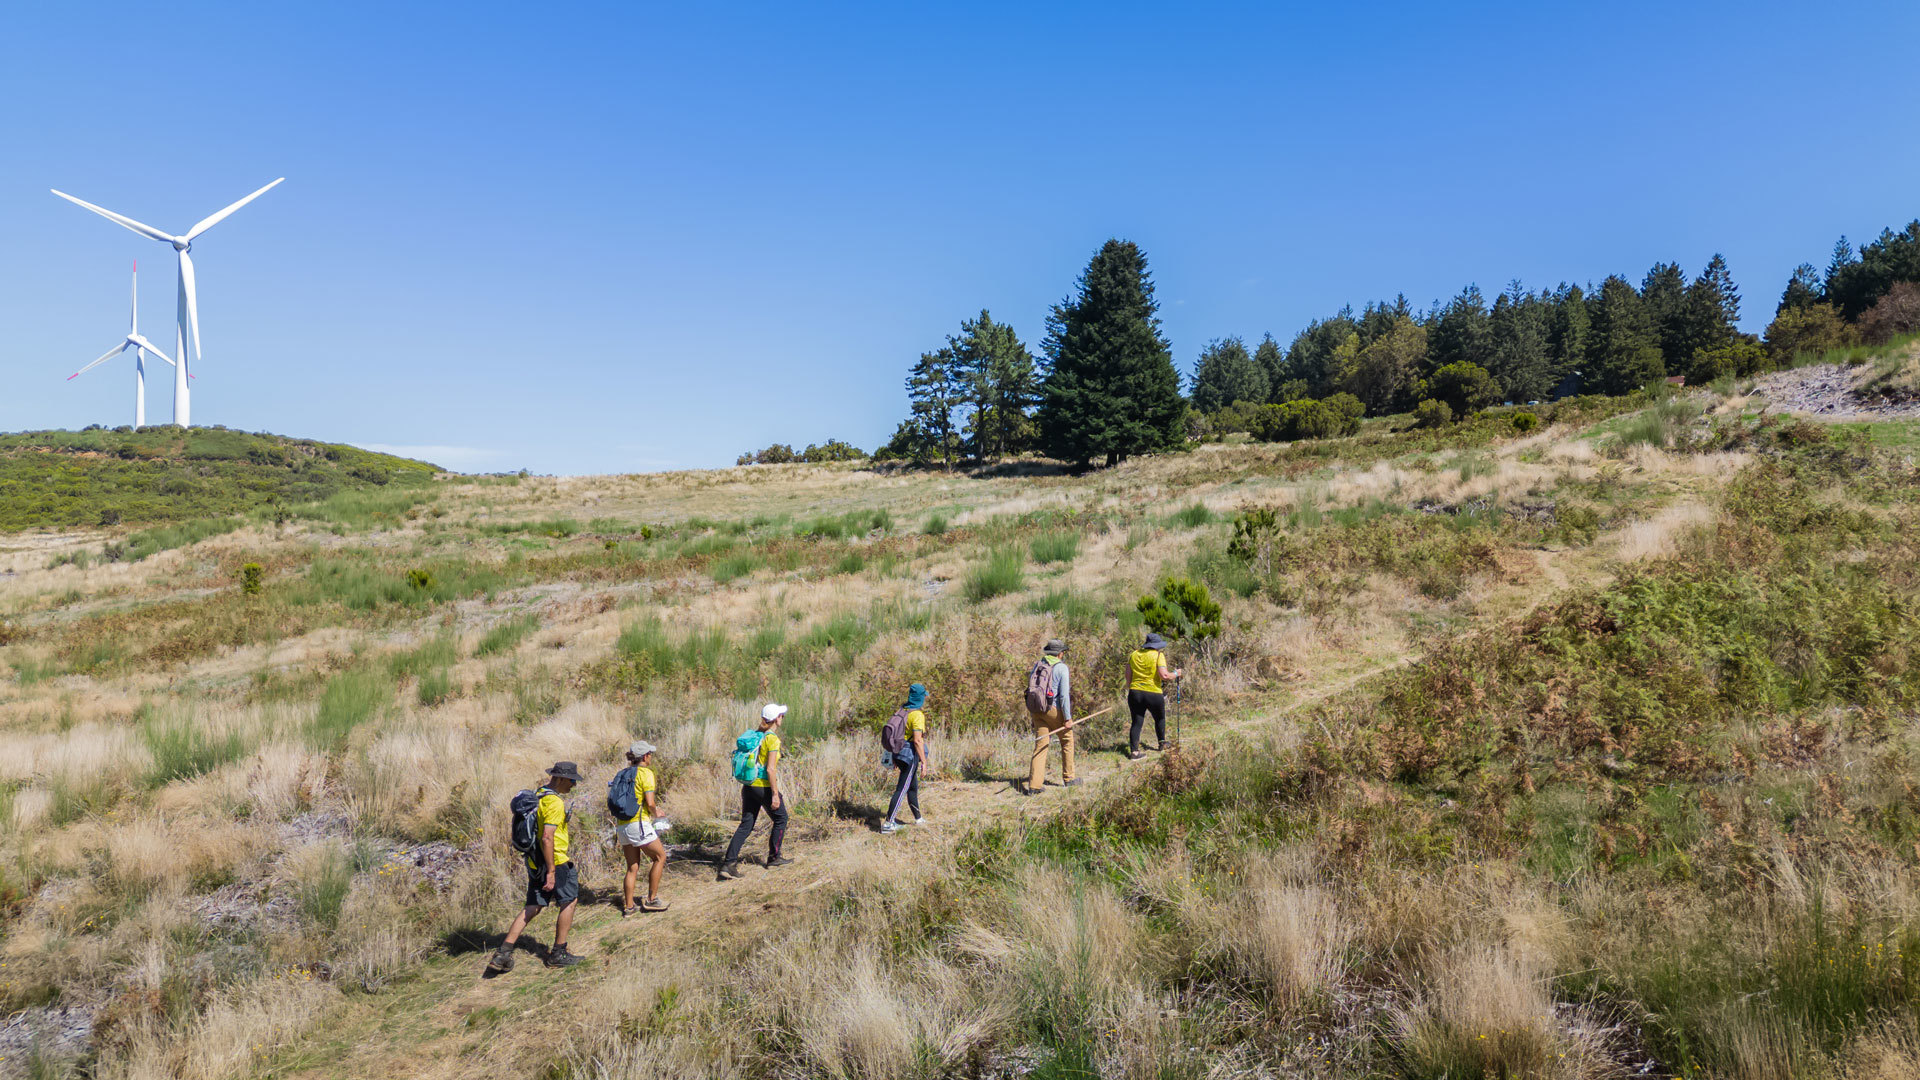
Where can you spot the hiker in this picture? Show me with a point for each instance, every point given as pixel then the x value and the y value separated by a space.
pixel 1148 666
pixel 551 878
pixel 756 764
pixel 1050 704
pixel 904 738
pixel 635 833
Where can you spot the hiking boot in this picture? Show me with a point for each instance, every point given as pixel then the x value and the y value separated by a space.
pixel 1075 782
pixel 653 903
pixel 1135 755
pixel 558 956
pixel 729 870
pixel 627 912
pixel 502 960
pixel 778 860
pixel 889 826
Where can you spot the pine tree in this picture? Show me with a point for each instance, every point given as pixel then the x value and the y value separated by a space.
pixel 1854 285
pixel 1273 364
pixel 1568 331
pixel 1664 295
pixel 1111 389
pixel 1462 332
pixel 1225 374
pixel 1710 314
pixel 1386 373
pixel 1837 265
pixel 998 375
pixel 1803 289
pixel 935 390
pixel 1520 360
pixel 1623 350
pixel 1310 357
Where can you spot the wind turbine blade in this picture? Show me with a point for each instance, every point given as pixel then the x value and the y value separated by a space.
pixel 215 219
pixel 111 353
pixel 193 305
pixel 143 343
pixel 144 230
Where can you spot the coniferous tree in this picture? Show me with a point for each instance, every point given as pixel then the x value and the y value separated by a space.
pixel 1273 364
pixel 1568 332
pixel 1623 349
pixel 1803 289
pixel 1520 360
pixel 1842 258
pixel 1386 373
pixel 1310 357
pixel 1664 295
pixel 1461 333
pixel 998 375
pixel 1111 389
pixel 1225 374
pixel 935 389
pixel 1856 284
pixel 1710 314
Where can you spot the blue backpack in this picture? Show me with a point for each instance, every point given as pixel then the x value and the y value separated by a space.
pixel 746 753
pixel 524 833
pixel 622 803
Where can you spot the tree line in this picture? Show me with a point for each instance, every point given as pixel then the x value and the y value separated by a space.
pixel 1104 386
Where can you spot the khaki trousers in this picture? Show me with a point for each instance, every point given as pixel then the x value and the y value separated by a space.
pixel 1045 725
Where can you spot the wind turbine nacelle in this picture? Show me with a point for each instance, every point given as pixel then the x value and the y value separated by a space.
pixel 181 245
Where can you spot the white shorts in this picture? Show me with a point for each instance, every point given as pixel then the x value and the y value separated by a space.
pixel 635 833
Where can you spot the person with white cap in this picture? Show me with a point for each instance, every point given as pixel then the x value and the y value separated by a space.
pixel 1147 666
pixel 756 764
pixel 638 835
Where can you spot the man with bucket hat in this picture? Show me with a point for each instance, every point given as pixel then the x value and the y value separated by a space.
pixel 552 880
pixel 1147 666
pixel 1050 706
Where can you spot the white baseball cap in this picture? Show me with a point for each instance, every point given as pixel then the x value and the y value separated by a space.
pixel 773 712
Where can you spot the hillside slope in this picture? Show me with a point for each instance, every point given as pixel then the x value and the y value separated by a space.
pixel 101 476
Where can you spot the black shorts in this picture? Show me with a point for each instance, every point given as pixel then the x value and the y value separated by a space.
pixel 566 886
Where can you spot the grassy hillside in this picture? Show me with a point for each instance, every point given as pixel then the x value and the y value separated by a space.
pixel 1576 753
pixel 101 476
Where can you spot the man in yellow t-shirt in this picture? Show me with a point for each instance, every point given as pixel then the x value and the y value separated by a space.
pixel 637 836
pixel 910 759
pixel 552 880
pixel 1147 667
pixel 762 793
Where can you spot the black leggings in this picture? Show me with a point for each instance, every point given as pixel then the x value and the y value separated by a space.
pixel 752 801
pixel 908 785
pixel 1140 703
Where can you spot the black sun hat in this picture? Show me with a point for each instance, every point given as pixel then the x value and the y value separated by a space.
pixel 564 770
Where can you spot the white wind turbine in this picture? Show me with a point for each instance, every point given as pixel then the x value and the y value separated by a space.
pixel 188 323
pixel 141 347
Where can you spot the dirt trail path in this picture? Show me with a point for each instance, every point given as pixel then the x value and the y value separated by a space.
pixel 446 1021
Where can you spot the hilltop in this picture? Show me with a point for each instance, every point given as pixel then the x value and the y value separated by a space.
pixel 114 476
pixel 1570 748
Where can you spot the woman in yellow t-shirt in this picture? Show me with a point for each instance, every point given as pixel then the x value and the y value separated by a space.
pixel 910 759
pixel 637 836
pixel 1148 666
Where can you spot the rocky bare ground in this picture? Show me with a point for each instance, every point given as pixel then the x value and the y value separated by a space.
pixel 1830 392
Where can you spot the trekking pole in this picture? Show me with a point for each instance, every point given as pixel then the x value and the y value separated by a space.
pixel 1179 687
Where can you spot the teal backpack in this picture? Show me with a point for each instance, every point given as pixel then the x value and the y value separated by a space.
pixel 746 751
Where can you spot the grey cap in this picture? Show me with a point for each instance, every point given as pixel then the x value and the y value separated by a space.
pixel 1054 647
pixel 640 748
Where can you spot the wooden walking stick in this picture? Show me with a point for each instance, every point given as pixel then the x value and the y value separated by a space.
pixel 1073 724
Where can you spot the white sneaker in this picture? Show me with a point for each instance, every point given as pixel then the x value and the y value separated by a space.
pixel 919 821
pixel 889 826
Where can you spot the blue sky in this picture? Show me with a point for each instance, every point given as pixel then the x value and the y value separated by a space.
pixel 623 237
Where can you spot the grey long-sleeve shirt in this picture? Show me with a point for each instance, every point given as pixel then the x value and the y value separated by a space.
pixel 1063 691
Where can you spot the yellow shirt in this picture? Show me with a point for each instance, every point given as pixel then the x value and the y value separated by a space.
pixel 768 754
pixel 553 812
pixel 643 782
pixel 1146 670
pixel 916 722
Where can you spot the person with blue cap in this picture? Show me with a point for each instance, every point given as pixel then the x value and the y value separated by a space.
pixel 904 739
pixel 1148 666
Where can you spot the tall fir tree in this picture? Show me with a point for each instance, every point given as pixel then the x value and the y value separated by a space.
pixel 1663 292
pixel 1843 257
pixel 1711 314
pixel 1856 285
pixel 1520 360
pixel 1461 333
pixel 1273 363
pixel 1226 374
pixel 1623 350
pixel 998 375
pixel 1568 331
pixel 1310 358
pixel 1111 390
pixel 1802 291
pixel 935 389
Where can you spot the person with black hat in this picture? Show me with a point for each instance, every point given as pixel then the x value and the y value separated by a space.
pixel 552 880
pixel 1056 718
pixel 1148 666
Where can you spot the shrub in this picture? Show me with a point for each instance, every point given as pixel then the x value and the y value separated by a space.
pixel 1432 414
pixel 1056 547
pixel 777 454
pixel 1744 357
pixel 832 450
pixel 420 580
pixel 1182 609
pixel 1895 314
pixel 1814 328
pixel 1307 419
pixel 1523 422
pixel 1465 387
pixel 1002 573
pixel 250 576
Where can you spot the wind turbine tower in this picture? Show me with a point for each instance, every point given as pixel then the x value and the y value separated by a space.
pixel 187 324
pixel 141 347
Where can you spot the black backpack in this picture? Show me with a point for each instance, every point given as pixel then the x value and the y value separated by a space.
pixel 622 803
pixel 525 831
pixel 893 736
